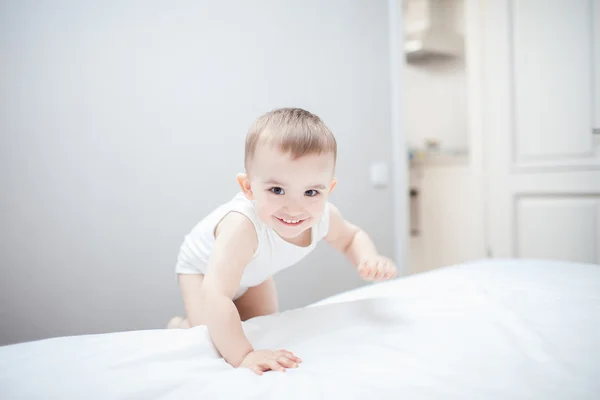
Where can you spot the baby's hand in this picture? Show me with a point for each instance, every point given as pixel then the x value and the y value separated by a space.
pixel 261 361
pixel 377 268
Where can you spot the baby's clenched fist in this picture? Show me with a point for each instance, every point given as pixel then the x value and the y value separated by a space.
pixel 377 268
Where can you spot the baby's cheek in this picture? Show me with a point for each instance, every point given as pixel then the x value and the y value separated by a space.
pixel 318 209
pixel 316 216
pixel 265 214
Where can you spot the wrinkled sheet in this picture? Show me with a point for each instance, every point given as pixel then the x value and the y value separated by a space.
pixel 487 330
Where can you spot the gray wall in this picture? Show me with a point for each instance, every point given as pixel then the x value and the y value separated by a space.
pixel 123 124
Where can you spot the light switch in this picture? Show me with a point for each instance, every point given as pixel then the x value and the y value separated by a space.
pixel 379 174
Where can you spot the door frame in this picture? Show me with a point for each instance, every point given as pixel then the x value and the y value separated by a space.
pixel 399 176
pixel 476 102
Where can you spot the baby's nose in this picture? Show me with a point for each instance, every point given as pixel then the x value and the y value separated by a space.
pixel 293 210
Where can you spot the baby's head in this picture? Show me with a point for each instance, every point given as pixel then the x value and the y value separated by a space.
pixel 290 163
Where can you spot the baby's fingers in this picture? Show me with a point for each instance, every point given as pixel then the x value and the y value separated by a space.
pixel 391 272
pixel 363 272
pixel 387 274
pixel 367 270
pixel 286 362
pixel 257 370
pixel 289 355
pixel 379 271
pixel 274 365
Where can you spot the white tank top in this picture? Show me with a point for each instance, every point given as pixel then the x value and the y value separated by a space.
pixel 272 254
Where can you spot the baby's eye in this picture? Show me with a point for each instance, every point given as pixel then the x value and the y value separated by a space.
pixel 311 193
pixel 277 190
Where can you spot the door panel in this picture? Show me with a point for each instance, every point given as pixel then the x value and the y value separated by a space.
pixel 574 227
pixel 552 78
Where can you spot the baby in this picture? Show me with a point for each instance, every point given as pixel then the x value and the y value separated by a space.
pixel 226 263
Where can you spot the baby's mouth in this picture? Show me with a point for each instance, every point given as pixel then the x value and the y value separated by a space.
pixel 290 222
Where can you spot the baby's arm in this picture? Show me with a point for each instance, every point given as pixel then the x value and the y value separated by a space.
pixel 209 301
pixel 356 245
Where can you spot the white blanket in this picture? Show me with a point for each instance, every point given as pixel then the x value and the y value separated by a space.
pixel 490 330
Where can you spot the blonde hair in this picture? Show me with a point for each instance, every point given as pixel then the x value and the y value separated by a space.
pixel 292 130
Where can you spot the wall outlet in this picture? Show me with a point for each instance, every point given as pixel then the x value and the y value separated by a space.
pixel 379 173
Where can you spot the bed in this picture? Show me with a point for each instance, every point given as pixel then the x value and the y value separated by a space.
pixel 503 329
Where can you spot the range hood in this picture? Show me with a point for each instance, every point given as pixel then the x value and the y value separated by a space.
pixel 431 29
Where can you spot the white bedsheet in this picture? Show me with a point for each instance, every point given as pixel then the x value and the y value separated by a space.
pixel 489 330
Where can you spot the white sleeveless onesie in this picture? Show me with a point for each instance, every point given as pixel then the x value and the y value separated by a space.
pixel 272 255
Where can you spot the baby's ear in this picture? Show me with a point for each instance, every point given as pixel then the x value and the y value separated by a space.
pixel 244 183
pixel 333 185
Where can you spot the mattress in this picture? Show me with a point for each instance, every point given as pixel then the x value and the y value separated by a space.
pixel 504 329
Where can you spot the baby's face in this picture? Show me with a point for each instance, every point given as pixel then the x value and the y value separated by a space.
pixel 290 194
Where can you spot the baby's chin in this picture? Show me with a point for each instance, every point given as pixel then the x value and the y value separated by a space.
pixel 290 235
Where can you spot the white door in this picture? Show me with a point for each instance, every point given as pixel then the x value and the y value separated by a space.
pixel 541 116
